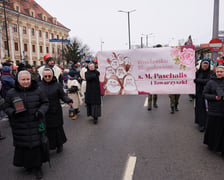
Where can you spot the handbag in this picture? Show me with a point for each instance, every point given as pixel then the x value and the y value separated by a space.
pixel 45 148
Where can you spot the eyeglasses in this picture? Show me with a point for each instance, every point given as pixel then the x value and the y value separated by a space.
pixel 47 76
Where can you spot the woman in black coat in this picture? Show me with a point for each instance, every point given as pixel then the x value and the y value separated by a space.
pixel 214 93
pixel 24 120
pixel 93 97
pixel 54 117
pixel 203 75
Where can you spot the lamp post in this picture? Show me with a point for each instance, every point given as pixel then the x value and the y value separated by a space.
pixel 147 38
pixel 101 45
pixel 129 34
pixel 215 25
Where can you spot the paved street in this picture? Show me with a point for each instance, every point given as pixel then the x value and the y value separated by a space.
pixel 166 146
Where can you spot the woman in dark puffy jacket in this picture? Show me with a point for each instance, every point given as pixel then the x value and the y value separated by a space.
pixel 25 105
pixel 54 116
pixel 214 93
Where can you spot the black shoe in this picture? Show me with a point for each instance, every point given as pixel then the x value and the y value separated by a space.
pixel 38 173
pixel 2 137
pixel 149 108
pixel 28 170
pixel 201 128
pixel 176 109
pixel 95 120
pixel 155 106
pixel 60 149
pixel 172 110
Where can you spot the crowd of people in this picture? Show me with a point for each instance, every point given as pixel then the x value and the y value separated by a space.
pixel 209 102
pixel 32 98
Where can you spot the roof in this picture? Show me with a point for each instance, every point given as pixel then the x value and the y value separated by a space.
pixel 25 5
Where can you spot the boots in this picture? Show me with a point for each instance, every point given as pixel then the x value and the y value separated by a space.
pixel 38 173
pixel 176 108
pixel 172 110
pixel 95 120
pixel 60 148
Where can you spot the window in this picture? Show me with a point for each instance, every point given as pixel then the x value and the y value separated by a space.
pixel 32 14
pixel 46 35
pixel 25 47
pixel 4 25
pixel 16 46
pixel 57 36
pixel 17 8
pixel 52 36
pixel 41 49
pixel 33 48
pixel 40 33
pixel 44 18
pixel 53 50
pixel 5 45
pixel 14 26
pixel 24 29
pixel 47 49
pixel 32 31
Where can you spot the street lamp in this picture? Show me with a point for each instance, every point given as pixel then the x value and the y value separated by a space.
pixel 129 36
pixel 101 45
pixel 147 38
pixel 215 25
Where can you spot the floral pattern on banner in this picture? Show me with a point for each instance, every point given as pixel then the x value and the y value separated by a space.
pixel 184 57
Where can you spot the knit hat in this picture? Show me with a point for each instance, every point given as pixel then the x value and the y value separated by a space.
pixel 72 73
pixel 6 69
pixel 47 58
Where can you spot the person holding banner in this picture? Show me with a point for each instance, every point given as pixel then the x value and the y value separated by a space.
pixel 152 98
pixel 174 101
pixel 93 97
pixel 214 93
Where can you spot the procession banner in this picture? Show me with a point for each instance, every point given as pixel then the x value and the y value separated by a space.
pixel 167 70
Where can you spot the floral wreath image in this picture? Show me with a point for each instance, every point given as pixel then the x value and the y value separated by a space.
pixel 183 56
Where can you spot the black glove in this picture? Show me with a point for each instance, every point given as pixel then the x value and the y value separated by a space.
pixel 38 115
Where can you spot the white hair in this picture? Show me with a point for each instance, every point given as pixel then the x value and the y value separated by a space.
pixel 23 72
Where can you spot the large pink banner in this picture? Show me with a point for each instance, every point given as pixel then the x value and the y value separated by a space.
pixel 167 70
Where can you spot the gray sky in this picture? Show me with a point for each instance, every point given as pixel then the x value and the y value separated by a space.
pixel 168 21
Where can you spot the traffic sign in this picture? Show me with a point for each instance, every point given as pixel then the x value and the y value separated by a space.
pixel 215 45
pixel 60 40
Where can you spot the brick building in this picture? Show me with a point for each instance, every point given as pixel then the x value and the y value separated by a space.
pixel 29 28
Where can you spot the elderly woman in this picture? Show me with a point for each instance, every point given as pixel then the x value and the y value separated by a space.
pixel 93 98
pixel 25 105
pixel 214 93
pixel 54 116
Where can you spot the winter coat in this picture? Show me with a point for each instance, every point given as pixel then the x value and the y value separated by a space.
pixel 75 96
pixel 54 91
pixel 25 124
pixel 215 107
pixel 8 82
pixel 92 87
pixel 202 77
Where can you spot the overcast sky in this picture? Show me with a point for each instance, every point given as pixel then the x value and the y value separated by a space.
pixel 96 21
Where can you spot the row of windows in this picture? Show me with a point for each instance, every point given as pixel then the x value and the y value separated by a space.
pixel 15 30
pixel 16 45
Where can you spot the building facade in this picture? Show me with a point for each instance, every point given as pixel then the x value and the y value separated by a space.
pixel 26 33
